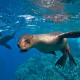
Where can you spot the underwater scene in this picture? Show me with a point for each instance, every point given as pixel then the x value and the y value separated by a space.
pixel 39 39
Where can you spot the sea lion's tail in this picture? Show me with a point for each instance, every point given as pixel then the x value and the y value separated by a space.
pixel 74 34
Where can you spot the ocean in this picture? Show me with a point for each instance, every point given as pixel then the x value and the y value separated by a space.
pixel 37 17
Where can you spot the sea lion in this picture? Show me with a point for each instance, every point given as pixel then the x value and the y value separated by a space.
pixel 5 39
pixel 49 43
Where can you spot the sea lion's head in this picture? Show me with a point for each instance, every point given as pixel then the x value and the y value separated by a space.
pixel 25 42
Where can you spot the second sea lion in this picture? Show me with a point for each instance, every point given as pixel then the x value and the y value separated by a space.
pixel 5 39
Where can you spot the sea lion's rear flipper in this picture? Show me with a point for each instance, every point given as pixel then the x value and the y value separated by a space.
pixel 74 34
pixel 71 60
pixel 7 46
pixel 66 52
pixel 61 62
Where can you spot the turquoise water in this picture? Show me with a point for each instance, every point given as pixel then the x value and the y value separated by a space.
pixel 34 17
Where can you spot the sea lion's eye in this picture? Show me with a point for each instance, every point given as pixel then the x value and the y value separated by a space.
pixel 28 41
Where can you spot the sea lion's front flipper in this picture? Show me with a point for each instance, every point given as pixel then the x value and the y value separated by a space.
pixel 7 46
pixel 74 34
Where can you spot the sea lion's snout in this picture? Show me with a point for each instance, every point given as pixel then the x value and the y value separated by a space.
pixel 21 50
pixel 24 43
pixel 23 46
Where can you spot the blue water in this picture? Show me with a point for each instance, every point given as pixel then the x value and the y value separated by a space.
pixel 25 16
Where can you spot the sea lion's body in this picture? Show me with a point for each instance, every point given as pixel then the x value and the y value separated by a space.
pixel 49 43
